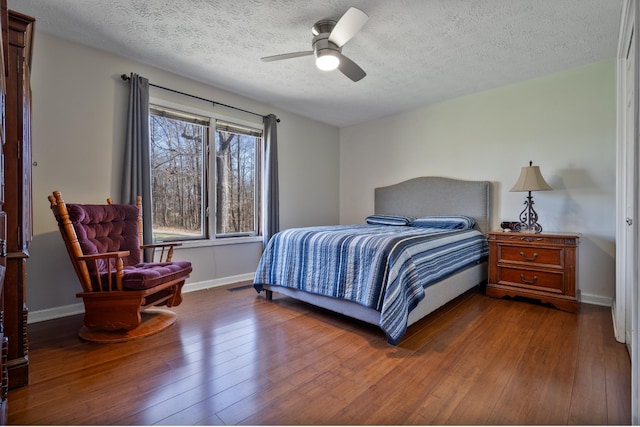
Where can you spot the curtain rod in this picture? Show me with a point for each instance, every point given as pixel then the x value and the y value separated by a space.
pixel 125 77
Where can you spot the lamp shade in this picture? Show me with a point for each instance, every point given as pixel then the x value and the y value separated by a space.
pixel 531 180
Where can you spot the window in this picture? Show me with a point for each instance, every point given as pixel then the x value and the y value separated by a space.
pixel 236 179
pixel 194 192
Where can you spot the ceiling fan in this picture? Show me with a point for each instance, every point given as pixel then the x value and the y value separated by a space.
pixel 329 37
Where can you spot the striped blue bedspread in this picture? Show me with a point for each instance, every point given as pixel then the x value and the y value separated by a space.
pixel 381 267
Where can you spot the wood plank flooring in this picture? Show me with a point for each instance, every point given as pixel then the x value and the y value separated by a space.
pixel 234 358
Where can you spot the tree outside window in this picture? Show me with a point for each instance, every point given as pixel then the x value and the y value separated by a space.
pixel 180 177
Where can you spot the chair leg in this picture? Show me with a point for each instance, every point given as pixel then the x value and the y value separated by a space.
pixel 177 295
pixel 169 297
pixel 111 313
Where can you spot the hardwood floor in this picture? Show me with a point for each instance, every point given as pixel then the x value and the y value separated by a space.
pixel 234 358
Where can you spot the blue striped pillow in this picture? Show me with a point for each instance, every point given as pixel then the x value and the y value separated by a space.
pixel 457 222
pixel 380 219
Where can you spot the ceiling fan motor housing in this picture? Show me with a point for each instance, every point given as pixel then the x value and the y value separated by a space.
pixel 321 44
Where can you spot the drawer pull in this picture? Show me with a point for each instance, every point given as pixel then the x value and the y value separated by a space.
pixel 535 255
pixel 531 239
pixel 528 281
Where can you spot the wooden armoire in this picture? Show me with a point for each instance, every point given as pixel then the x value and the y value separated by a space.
pixel 17 195
pixel 4 71
pixel 16 41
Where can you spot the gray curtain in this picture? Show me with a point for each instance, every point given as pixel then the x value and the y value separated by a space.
pixel 271 193
pixel 136 176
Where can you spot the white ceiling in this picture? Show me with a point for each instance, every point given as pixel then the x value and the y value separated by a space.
pixel 415 52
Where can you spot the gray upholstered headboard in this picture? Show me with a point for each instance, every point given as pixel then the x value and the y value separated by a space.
pixel 433 195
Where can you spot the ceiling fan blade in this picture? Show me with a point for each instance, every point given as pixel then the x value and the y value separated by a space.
pixel 351 69
pixel 286 56
pixel 347 26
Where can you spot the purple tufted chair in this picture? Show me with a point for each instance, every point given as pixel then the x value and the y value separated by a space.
pixel 104 244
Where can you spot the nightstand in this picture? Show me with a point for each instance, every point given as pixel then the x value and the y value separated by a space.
pixel 538 266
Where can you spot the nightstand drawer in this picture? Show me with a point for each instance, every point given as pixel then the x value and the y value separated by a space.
pixel 531 255
pixel 533 239
pixel 531 279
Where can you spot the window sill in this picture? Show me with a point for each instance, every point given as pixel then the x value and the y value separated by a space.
pixel 219 242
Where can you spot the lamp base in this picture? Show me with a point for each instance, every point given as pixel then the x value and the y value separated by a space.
pixel 529 218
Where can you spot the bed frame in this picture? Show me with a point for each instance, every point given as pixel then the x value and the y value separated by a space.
pixel 419 197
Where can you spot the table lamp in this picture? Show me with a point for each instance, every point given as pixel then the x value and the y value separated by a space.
pixel 530 180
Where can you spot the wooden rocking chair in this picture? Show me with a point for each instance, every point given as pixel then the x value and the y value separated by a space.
pixel 119 290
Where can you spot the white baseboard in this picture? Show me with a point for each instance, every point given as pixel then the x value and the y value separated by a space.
pixel 55 313
pixel 618 329
pixel 192 287
pixel 70 310
pixel 596 300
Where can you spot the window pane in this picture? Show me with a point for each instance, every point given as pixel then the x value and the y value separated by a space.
pixel 177 173
pixel 236 179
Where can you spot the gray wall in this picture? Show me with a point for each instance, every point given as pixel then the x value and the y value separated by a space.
pixel 79 114
pixel 565 123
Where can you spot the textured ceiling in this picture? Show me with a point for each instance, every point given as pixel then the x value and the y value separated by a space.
pixel 415 52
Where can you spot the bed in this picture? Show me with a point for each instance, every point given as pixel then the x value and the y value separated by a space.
pixel 399 288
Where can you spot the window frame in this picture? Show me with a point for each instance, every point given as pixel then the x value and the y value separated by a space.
pixel 211 237
pixel 257 201
pixel 190 117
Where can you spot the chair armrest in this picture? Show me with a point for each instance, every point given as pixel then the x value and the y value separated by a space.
pixel 163 247
pixel 105 255
pixel 160 245
pixel 113 276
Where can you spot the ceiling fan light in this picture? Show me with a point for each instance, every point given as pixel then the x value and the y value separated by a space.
pixel 327 60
